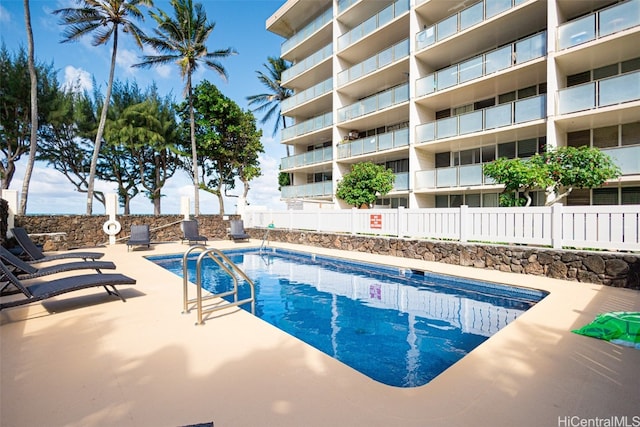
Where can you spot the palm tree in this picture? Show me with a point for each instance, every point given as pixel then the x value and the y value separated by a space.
pixel 33 78
pixel 182 40
pixel 103 18
pixel 269 103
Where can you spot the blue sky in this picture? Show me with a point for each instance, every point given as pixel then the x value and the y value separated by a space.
pixel 240 24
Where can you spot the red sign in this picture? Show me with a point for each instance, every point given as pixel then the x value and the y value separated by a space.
pixel 375 221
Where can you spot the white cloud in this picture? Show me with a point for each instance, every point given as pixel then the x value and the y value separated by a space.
pixel 126 58
pixel 5 16
pixel 76 79
pixel 264 189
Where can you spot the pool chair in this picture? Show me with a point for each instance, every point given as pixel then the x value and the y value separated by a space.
pixel 139 236
pixel 236 232
pixel 23 270
pixel 190 232
pixel 36 255
pixel 42 290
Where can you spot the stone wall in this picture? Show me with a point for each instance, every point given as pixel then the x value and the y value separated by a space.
pixel 62 232
pixel 606 268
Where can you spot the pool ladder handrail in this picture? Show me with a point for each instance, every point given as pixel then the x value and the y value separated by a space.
pixel 229 267
pixel 265 238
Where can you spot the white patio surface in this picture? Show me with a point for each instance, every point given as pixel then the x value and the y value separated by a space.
pixel 87 359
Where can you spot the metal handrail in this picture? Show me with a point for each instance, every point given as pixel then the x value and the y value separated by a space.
pixel 229 267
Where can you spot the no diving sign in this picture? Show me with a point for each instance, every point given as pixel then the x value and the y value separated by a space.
pixel 375 221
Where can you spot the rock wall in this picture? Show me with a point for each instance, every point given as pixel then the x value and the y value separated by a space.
pixel 605 268
pixel 62 232
pixel 57 232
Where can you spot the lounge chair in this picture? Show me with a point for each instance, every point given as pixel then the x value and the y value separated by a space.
pixel 23 270
pixel 139 236
pixel 39 291
pixel 190 232
pixel 36 255
pixel 236 231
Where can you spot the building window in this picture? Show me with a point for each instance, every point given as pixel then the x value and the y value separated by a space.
pixel 442 201
pixel 508 150
pixel 631 133
pixel 527 148
pixel 578 197
pixel 443 160
pixel 490 200
pixel 605 137
pixel 630 196
pixel 605 196
pixel 579 138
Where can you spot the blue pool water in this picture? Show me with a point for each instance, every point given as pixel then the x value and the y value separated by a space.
pixel 400 327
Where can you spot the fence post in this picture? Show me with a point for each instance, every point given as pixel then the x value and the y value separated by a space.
pixel 401 221
pixel 353 220
pixel 464 213
pixel 556 225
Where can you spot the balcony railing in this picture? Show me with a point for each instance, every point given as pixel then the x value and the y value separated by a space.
pixel 401 182
pixel 307 63
pixel 311 125
pixel 520 111
pixel 457 176
pixel 316 189
pixel 463 20
pixel 380 101
pixel 307 31
pixel 508 56
pixel 627 158
pixel 367 27
pixel 602 23
pixel 382 59
pixel 308 158
pixel 307 95
pixel 373 144
pixel 600 93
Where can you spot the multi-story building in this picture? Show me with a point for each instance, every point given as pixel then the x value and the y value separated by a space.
pixel 433 89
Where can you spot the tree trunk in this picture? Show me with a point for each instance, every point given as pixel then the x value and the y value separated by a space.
pixel 194 152
pixel 33 146
pixel 101 125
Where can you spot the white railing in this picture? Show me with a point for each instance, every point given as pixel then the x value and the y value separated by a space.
pixel 557 226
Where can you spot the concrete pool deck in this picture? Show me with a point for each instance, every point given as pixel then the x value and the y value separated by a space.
pixel 87 359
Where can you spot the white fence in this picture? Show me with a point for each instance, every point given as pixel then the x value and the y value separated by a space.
pixel 557 226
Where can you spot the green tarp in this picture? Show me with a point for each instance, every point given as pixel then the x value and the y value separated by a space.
pixel 620 327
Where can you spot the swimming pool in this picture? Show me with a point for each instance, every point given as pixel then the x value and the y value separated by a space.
pixel 400 327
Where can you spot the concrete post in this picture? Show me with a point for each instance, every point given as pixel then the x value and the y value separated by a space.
pixel 112 227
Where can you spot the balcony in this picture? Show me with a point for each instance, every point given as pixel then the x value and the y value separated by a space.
pixel 600 93
pixel 316 189
pixel 457 176
pixel 463 20
pixel 508 114
pixel 367 27
pixel 374 144
pixel 307 63
pixel 377 102
pixel 500 59
pixel 401 182
pixel 308 126
pixel 602 23
pixel 307 31
pixel 370 65
pixel 306 95
pixel 309 158
pixel 627 158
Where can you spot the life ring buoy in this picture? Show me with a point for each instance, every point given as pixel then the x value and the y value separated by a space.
pixel 111 227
